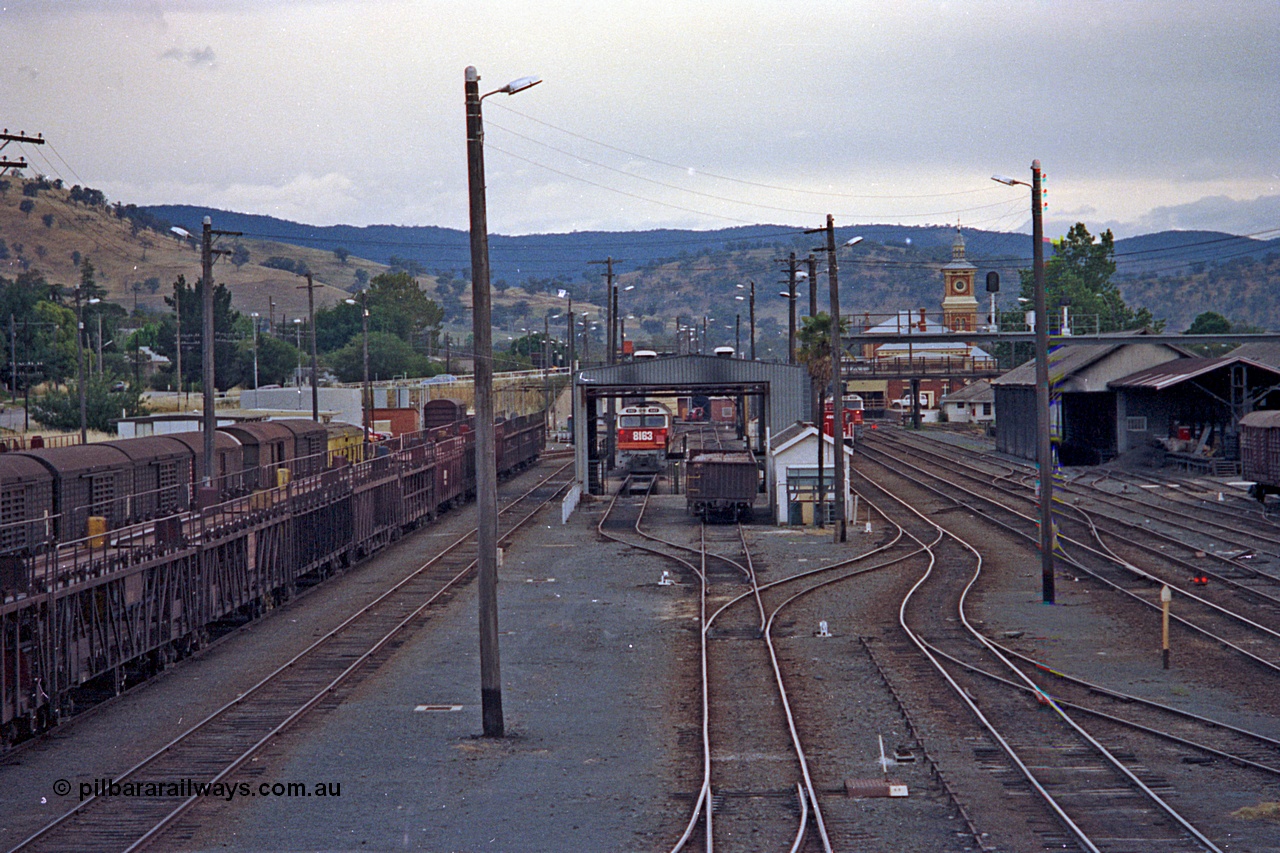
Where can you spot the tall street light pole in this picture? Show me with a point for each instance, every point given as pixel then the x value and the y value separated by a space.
pixel 254 317
pixel 366 396
pixel 1044 442
pixel 752 314
pixel 486 459
pixel 84 405
pixel 311 320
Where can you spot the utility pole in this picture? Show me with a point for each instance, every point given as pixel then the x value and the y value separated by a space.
pixel 812 260
pixel 13 357
pixel 80 368
pixel 791 309
pixel 1044 437
pixel 21 163
pixel 839 532
pixel 573 335
pixel 611 310
pixel 177 310
pixel 311 318
pixel 207 254
pixel 486 456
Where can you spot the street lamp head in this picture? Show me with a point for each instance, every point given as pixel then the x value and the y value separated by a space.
pixel 740 298
pixel 629 287
pixel 93 300
pixel 853 241
pixel 520 85
pixel 1007 181
pixel 785 295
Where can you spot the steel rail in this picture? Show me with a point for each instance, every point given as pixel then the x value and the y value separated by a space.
pixel 1138 572
pixel 928 650
pixel 250 692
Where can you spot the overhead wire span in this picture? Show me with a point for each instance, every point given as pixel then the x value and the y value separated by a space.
pixel 742 181
pixel 699 193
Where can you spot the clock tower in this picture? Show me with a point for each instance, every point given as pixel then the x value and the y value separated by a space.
pixel 959 303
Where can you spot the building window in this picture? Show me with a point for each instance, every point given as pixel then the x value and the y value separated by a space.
pixel 986 408
pixel 1135 424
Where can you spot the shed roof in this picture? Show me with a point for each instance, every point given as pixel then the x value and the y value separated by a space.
pixel 978 392
pixel 1267 352
pixel 787 384
pixel 1068 360
pixel 1183 369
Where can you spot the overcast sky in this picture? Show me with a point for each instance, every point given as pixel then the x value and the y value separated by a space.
pixel 1145 115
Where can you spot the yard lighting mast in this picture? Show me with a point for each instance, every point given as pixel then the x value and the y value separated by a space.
pixel 1044 444
pixel 486 458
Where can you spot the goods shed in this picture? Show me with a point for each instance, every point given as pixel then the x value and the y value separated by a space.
pixel 1083 416
pixel 1193 406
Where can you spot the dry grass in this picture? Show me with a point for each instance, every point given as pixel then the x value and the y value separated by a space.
pixel 1262 811
pixel 121 258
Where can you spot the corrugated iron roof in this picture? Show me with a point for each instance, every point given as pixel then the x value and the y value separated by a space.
pixel 979 392
pixel 789 392
pixel 1066 360
pixel 1182 369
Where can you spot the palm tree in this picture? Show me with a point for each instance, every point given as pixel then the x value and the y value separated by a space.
pixel 814 353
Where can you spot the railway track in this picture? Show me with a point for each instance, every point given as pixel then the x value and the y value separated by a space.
pixel 1245 629
pixel 760 784
pixel 1090 796
pixel 211 751
pixel 756 792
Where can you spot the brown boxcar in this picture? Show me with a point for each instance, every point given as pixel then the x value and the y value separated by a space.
pixel 228 461
pixel 88 480
pixel 161 475
pixel 267 446
pixel 1260 452
pixel 310 446
pixel 722 485
pixel 26 504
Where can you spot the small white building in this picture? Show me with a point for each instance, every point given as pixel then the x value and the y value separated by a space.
pixel 973 404
pixel 793 456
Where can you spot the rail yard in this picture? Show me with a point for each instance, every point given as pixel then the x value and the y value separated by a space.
pixel 674 684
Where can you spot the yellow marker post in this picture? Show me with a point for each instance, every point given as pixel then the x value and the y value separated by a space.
pixel 1165 597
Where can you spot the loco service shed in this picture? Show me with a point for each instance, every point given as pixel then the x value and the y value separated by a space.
pixel 777 395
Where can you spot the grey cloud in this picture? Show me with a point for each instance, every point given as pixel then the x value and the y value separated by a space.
pixel 1217 213
pixel 193 57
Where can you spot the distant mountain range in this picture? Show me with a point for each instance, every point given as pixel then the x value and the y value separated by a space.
pixel 1177 274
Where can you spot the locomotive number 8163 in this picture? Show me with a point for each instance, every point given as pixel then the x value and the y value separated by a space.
pixel 642 437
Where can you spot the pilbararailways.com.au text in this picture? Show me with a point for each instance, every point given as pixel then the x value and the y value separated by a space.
pixel 192 788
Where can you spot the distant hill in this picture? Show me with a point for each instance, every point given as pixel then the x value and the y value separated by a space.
pixel 1177 274
pixel 137 258
pixel 671 273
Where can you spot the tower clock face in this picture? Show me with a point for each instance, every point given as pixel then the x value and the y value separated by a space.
pixel 959 286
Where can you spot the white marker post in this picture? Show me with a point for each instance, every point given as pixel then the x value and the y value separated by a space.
pixel 1165 597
